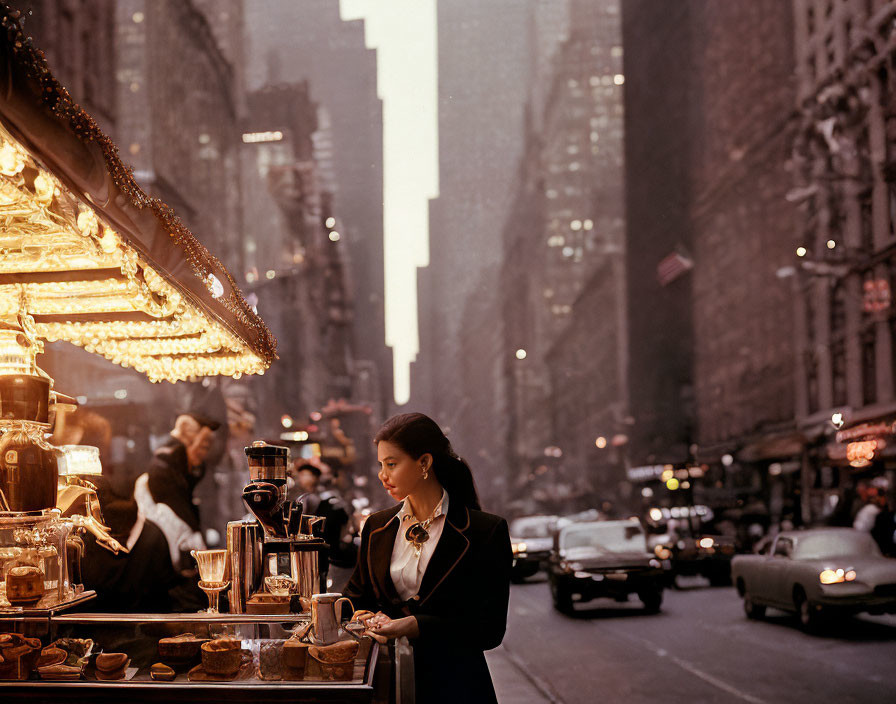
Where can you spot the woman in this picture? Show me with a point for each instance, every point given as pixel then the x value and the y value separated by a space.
pixel 434 567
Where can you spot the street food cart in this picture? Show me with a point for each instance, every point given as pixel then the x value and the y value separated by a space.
pixel 89 258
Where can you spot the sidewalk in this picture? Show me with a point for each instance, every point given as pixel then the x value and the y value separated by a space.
pixel 513 684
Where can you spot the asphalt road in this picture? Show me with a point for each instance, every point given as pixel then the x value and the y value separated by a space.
pixel 700 648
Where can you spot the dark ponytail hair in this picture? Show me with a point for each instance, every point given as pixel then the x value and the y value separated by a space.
pixel 416 434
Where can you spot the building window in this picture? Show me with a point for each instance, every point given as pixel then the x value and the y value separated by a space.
pixel 838 372
pixel 811 382
pixel 867 225
pixel 838 309
pixel 869 368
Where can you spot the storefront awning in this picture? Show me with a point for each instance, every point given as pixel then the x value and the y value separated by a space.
pixel 773 447
pixel 92 258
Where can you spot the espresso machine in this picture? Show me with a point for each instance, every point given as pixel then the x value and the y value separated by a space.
pixel 283 546
pixel 39 548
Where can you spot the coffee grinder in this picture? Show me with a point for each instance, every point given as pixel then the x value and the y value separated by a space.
pixel 290 543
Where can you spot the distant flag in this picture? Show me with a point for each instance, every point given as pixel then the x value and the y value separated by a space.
pixel 671 267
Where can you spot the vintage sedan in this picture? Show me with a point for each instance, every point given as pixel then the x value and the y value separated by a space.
pixel 818 572
pixel 604 559
pixel 531 539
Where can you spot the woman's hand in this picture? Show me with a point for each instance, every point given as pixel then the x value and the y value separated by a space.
pixel 382 625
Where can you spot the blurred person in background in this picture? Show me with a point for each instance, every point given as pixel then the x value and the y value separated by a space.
pixel 142 580
pixel 884 529
pixel 875 501
pixel 165 492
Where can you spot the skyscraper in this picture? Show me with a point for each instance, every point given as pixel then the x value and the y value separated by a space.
pixel 484 64
pixel 289 42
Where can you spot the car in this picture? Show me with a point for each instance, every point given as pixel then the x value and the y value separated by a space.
pixel 817 573
pixel 603 559
pixel 690 543
pixel 706 554
pixel 531 539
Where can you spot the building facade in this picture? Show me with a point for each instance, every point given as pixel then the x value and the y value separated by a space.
pixel 715 228
pixel 567 225
pixel 66 31
pixel 308 41
pixel 657 67
pixel 843 155
pixel 481 124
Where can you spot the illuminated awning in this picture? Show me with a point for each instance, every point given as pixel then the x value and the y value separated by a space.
pixel 91 257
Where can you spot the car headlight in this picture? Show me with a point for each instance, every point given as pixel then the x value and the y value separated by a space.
pixel 836 576
pixel 707 542
pixel 518 547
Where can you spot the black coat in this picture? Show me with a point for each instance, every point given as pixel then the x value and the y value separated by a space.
pixel 461 608
pixel 172 480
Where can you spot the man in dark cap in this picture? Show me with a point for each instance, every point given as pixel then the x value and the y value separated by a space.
pixel 165 492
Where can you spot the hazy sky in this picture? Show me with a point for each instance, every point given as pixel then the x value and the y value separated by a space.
pixel 404 34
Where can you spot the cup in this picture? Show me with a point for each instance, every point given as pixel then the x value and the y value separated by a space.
pixel 212 564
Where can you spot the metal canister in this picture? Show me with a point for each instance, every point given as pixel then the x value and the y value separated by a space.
pixel 28 471
pixel 305 557
pixel 267 463
pixel 244 557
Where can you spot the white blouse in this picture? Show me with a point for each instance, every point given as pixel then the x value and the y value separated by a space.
pixel 406 569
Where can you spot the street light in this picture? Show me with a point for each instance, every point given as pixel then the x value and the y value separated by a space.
pixel 601 442
pixel 521 353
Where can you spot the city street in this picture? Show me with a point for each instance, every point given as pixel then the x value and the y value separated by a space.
pixel 700 648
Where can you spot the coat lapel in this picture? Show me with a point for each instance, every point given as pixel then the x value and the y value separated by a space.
pixel 453 545
pixel 379 557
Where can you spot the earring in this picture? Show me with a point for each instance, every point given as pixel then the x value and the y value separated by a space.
pixel 425 472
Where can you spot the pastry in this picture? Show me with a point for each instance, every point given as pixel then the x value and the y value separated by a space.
pixel 51 656
pixel 161 672
pixel 18 656
pixel 336 662
pixel 179 648
pixel 338 652
pixel 78 650
pixel 24 584
pixel 111 666
pixel 221 656
pixel 59 672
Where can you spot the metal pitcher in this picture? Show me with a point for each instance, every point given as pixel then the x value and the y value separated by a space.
pixel 326 617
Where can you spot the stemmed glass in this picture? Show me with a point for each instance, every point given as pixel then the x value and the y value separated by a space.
pixel 212 571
